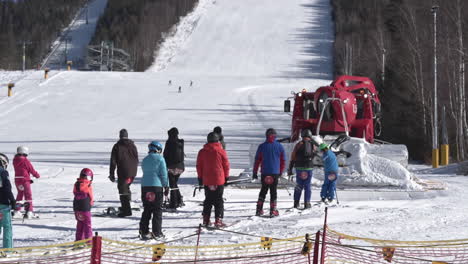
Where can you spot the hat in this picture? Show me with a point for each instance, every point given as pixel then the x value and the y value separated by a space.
pixel 123 133
pixel 173 132
pixel 212 137
pixel 270 131
pixel 323 146
pixel 217 130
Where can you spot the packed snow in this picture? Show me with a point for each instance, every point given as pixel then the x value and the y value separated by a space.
pixel 244 58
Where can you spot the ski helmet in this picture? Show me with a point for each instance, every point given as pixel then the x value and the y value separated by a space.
pixel 155 146
pixel 212 137
pixel 4 161
pixel 23 150
pixel 306 133
pixel 323 146
pixel 87 174
pixel 270 131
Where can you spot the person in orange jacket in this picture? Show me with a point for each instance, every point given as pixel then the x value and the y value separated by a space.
pixel 213 173
pixel 84 199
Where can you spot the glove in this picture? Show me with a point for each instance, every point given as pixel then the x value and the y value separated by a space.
pixel 112 178
pixel 166 191
pixel 200 182
pixel 226 182
pixel 13 205
pixel 31 181
pixel 254 176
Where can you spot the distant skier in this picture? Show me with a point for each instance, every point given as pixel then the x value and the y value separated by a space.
pixel 170 82
pixel 219 131
pixel 330 166
pixel 302 159
pixel 125 157
pixel 271 157
pixel 23 169
pixel 180 89
pixel 174 156
pixel 82 203
pixel 213 173
pixel 191 83
pixel 7 203
pixel 152 185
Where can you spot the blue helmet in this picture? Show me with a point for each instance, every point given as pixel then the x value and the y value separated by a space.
pixel 155 146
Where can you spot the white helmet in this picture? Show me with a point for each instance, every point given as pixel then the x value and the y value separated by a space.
pixel 22 150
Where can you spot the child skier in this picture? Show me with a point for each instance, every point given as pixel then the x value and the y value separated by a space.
pixel 213 173
pixel 302 159
pixel 271 157
pixel 154 180
pixel 7 203
pixel 330 166
pixel 84 199
pixel 23 169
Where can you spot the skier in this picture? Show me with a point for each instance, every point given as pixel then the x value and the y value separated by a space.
pixel 170 82
pixel 213 173
pixel 23 169
pixel 180 89
pixel 154 180
pixel 7 203
pixel 191 83
pixel 174 156
pixel 302 159
pixel 84 199
pixel 330 166
pixel 219 131
pixel 271 157
pixel 125 157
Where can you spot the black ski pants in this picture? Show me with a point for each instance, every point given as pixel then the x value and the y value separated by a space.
pixel 214 198
pixel 176 198
pixel 271 187
pixel 125 195
pixel 152 198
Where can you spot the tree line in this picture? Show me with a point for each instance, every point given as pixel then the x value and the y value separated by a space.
pixel 139 27
pixel 38 23
pixel 391 41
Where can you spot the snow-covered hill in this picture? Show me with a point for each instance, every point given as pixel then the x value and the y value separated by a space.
pixel 243 57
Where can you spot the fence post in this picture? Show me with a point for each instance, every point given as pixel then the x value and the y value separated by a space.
pixel 96 249
pixel 316 248
pixel 10 87
pixel 322 260
pixel 198 243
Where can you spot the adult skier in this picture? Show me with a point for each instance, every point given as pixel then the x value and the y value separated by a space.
pixel 174 156
pixel 219 131
pixel 7 203
pixel 271 158
pixel 302 159
pixel 330 166
pixel 23 170
pixel 82 203
pixel 153 184
pixel 213 173
pixel 125 157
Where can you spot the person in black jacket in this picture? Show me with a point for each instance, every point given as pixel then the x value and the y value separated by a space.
pixel 219 131
pixel 174 156
pixel 7 203
pixel 125 157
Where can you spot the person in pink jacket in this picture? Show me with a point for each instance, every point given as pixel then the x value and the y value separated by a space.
pixel 23 170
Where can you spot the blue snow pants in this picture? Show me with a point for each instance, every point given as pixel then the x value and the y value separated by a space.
pixel 303 179
pixel 5 224
pixel 329 187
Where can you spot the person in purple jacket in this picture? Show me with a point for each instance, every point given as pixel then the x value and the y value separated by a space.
pixel 271 158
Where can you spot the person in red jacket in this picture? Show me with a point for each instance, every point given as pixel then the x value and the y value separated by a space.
pixel 213 173
pixel 23 170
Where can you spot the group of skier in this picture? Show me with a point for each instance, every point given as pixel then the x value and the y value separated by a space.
pixel 162 168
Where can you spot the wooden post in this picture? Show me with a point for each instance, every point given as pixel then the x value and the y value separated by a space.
pixel 198 243
pixel 10 87
pixel 46 73
pixel 69 65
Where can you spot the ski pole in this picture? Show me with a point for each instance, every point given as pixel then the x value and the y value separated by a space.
pixel 336 194
pixel 286 187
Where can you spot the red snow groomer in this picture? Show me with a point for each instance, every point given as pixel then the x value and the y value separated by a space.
pixel 349 105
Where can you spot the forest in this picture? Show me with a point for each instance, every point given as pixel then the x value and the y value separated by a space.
pixel 35 23
pixel 392 42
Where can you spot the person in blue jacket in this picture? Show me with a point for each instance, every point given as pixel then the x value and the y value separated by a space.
pixel 330 166
pixel 153 184
pixel 271 158
pixel 7 203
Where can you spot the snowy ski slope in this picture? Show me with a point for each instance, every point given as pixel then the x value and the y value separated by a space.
pixel 244 57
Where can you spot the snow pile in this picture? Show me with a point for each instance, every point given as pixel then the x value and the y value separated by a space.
pixel 366 168
pixel 177 38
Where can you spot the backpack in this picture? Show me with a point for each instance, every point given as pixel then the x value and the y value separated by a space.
pixel 308 150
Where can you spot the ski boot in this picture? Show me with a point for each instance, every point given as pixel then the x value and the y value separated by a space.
pixel 273 211
pixel 296 204
pixel 206 220
pixel 307 205
pixel 31 215
pixel 219 223
pixel 17 214
pixel 145 235
pixel 331 202
pixel 259 211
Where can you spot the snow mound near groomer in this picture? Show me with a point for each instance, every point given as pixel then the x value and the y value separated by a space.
pixel 374 165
